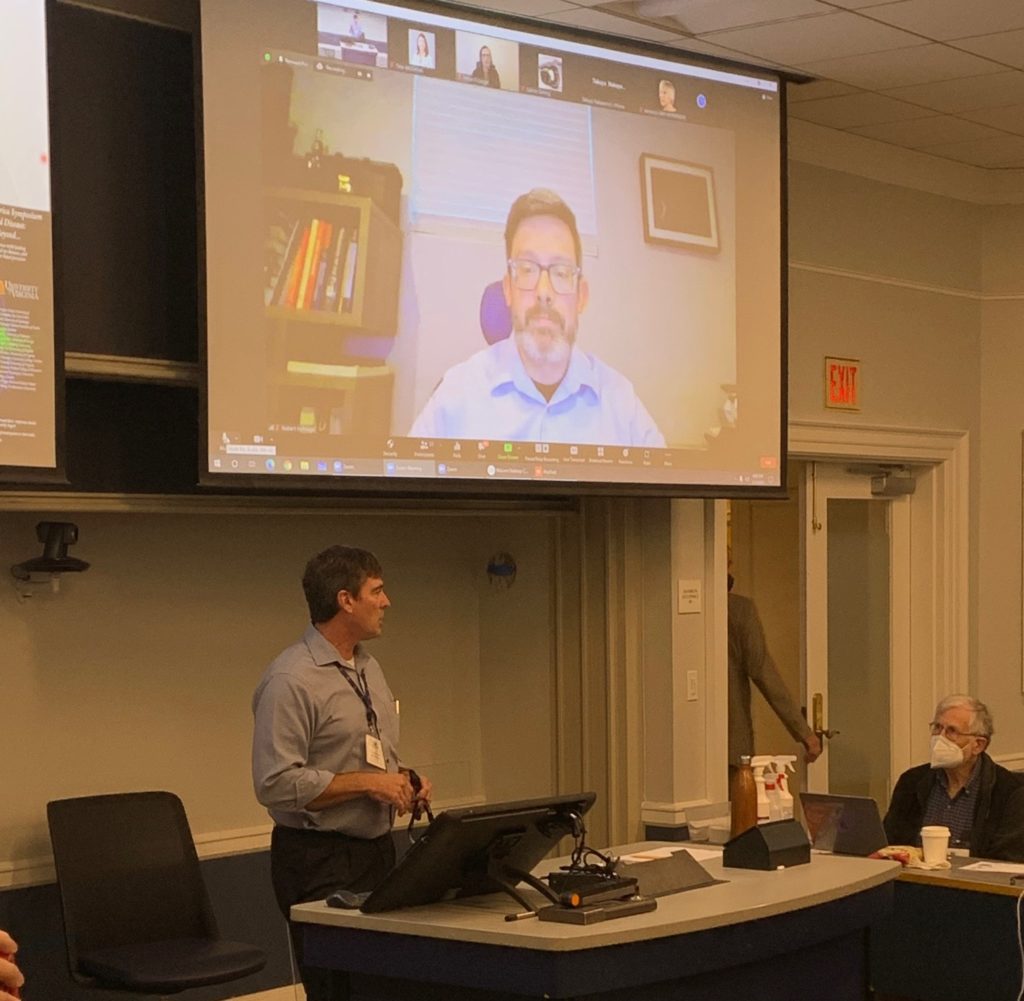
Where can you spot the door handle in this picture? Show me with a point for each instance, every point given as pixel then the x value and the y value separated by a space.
pixel 817 717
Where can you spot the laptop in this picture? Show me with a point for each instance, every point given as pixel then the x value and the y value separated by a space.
pixel 843 825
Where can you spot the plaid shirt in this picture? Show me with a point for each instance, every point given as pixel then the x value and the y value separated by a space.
pixel 957 813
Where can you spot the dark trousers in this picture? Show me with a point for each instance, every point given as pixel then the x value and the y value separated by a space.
pixel 308 865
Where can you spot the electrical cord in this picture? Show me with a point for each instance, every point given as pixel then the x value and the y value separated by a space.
pixel 1020 947
pixel 291 963
pixel 579 860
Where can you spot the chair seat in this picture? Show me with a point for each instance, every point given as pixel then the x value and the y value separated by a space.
pixel 172 965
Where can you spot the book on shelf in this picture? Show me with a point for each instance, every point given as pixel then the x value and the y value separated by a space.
pixel 334 271
pixel 307 265
pixel 316 296
pixel 312 263
pixel 290 288
pixel 283 235
pixel 348 279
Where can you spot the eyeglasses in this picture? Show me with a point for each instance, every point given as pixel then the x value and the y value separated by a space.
pixel 950 732
pixel 526 275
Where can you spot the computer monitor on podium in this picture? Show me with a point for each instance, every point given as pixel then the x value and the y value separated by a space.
pixel 479 849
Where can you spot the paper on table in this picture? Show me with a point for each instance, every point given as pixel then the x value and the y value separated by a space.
pixel 993 867
pixel 700 854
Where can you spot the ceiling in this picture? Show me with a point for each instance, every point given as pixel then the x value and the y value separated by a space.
pixel 944 77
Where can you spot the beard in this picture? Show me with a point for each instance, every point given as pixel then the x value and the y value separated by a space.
pixel 550 346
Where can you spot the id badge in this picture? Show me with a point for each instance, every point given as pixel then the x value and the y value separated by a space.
pixel 375 752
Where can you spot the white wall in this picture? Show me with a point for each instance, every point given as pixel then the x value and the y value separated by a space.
pixel 999 508
pixel 139 672
pixel 927 290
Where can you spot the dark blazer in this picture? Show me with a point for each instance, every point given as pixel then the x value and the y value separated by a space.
pixel 998 830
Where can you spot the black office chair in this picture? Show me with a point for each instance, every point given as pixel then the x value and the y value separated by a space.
pixel 137 916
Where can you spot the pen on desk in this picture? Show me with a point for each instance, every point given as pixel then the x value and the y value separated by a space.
pixel 520 916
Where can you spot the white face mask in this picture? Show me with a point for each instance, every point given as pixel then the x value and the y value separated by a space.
pixel 945 754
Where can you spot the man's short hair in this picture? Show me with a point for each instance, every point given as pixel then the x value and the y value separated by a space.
pixel 981 718
pixel 339 568
pixel 541 201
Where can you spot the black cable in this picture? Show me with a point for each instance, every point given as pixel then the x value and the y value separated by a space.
pixel 581 853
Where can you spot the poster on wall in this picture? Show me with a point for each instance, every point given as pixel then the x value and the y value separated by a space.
pixel 27 353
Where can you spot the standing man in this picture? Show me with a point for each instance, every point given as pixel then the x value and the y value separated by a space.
pixel 961 787
pixel 537 384
pixel 750 661
pixel 325 749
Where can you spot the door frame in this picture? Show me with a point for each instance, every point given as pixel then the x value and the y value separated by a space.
pixel 939 562
pixel 822 482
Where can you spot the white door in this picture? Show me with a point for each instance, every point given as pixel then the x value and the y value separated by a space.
pixel 856 613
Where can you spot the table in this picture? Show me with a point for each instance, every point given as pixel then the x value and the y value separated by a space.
pixel 951 936
pixel 770 935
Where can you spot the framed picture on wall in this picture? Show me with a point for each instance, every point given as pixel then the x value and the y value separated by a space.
pixel 678 203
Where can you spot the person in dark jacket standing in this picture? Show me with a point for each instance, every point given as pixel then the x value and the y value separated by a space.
pixel 750 662
pixel 961 788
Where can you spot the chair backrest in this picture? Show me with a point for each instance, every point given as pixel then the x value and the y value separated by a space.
pixel 127 870
pixel 495 318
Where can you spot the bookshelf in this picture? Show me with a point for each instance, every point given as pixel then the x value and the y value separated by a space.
pixel 331 278
pixel 334 399
pixel 333 260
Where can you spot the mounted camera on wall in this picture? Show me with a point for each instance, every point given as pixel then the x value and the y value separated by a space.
pixel 55 536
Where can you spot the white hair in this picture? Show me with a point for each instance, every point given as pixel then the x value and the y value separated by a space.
pixel 981 718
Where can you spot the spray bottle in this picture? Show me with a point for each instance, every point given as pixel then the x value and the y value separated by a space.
pixel 784 763
pixel 759 764
pixel 771 791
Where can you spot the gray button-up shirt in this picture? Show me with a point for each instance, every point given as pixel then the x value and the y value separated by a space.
pixel 309 725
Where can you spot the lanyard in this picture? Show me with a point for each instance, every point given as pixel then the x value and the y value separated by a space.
pixel 362 689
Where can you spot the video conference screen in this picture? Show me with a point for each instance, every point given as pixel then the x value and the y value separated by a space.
pixel 442 250
pixel 28 386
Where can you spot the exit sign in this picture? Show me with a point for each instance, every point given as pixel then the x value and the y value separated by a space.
pixel 842 383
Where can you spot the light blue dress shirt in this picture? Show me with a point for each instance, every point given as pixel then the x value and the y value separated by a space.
pixel 310 725
pixel 489 396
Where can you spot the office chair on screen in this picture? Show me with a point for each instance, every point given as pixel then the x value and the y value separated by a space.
pixel 495 318
pixel 137 916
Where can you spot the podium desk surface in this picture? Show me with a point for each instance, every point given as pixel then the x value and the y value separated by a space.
pixel 744 895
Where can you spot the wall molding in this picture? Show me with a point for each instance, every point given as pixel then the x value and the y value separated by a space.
pixel 17 874
pixel 907 168
pixel 905 283
pixel 35 502
pixel 658 814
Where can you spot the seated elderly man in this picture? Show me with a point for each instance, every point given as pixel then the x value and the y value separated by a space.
pixel 961 788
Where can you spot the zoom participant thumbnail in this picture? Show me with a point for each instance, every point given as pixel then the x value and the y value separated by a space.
pixel 549 73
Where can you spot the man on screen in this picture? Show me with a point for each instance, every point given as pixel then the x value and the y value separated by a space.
pixel 538 385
